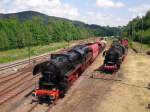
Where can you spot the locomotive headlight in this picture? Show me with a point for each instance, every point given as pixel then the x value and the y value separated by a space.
pixel 51 97
pixel 34 94
pixel 36 88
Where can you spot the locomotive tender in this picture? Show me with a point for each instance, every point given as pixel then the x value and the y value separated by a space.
pixel 115 55
pixel 59 73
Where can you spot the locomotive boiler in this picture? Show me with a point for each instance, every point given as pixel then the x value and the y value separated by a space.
pixel 59 73
pixel 115 55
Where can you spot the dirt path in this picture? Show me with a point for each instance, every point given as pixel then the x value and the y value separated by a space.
pixel 129 95
pixel 91 95
pixel 96 95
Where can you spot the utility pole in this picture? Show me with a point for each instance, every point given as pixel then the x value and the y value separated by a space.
pixel 29 53
pixel 133 29
pixel 130 31
pixel 141 36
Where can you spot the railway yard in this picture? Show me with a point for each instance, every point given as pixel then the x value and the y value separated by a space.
pixel 126 91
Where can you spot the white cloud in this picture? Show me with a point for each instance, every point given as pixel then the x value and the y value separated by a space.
pixel 109 4
pixel 61 9
pixel 65 11
pixel 103 19
pixel 50 7
pixel 35 4
pixel 139 10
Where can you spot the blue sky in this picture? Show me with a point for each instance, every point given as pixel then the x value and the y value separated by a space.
pixel 101 12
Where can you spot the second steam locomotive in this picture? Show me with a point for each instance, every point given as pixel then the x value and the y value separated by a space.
pixel 59 73
pixel 115 55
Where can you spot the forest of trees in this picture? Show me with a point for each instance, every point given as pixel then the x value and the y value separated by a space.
pixel 32 28
pixel 16 34
pixel 28 30
pixel 139 29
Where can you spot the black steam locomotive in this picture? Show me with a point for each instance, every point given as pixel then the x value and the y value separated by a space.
pixel 115 55
pixel 62 70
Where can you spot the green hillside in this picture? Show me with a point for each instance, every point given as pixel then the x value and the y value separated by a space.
pixel 139 29
pixel 29 28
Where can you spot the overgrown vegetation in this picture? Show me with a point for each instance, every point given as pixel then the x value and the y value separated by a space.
pixel 30 28
pixel 15 54
pixel 139 29
pixel 17 34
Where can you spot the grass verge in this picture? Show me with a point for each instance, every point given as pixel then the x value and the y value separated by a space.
pixel 141 47
pixel 17 54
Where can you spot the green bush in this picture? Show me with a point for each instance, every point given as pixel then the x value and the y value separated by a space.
pixel 19 34
pixel 139 29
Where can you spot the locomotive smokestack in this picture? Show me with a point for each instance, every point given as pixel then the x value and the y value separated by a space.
pixel 38 68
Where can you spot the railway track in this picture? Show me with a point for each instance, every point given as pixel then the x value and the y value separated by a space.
pixel 32 107
pixel 9 78
pixel 13 94
pixel 9 75
pixel 38 107
pixel 27 106
pixel 32 60
pixel 15 86
pixel 10 86
pixel 23 62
